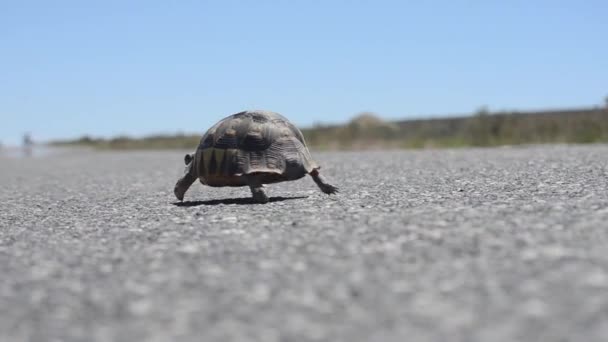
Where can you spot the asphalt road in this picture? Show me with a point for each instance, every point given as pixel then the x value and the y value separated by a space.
pixel 506 244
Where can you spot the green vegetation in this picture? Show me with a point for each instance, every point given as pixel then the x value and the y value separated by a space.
pixel 153 142
pixel 481 129
pixel 367 131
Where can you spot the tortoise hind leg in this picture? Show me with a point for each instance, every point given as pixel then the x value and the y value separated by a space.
pixel 322 183
pixel 257 190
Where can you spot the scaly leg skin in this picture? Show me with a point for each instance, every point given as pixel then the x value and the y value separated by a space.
pixel 322 183
pixel 183 184
pixel 257 190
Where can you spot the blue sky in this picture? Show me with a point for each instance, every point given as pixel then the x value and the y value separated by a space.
pixel 69 68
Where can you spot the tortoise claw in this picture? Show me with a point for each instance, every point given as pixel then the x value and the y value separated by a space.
pixel 329 189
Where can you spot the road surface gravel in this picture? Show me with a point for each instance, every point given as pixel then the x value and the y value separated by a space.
pixel 497 244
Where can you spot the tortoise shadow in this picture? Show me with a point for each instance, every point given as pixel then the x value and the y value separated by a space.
pixel 237 201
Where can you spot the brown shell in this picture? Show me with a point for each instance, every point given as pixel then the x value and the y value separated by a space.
pixel 252 142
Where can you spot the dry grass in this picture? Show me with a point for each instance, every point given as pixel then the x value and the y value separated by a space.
pixel 367 131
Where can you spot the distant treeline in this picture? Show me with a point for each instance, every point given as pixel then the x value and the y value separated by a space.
pixel 152 142
pixel 481 129
pixel 367 131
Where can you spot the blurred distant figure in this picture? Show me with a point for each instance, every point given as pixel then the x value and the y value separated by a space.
pixel 27 144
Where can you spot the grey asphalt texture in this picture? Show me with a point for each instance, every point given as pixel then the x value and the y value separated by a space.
pixel 501 244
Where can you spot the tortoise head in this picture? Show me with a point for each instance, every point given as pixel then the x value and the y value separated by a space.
pixel 184 183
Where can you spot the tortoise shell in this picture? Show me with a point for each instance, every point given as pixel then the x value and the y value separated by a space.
pixel 252 142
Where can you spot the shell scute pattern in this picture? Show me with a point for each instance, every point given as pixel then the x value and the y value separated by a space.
pixel 253 142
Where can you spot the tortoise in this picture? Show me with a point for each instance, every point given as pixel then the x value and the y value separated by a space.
pixel 251 148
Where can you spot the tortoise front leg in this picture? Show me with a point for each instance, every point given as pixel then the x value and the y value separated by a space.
pixel 257 190
pixel 322 183
pixel 182 185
